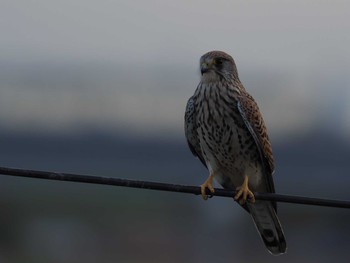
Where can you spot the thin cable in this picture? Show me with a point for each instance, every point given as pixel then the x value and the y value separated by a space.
pixel 167 187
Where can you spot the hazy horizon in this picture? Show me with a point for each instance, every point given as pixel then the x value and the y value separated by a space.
pixel 130 67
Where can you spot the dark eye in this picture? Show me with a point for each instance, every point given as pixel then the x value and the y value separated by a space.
pixel 219 61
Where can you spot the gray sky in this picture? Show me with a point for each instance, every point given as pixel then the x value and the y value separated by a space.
pixel 131 65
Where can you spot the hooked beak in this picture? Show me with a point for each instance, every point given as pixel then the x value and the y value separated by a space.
pixel 205 66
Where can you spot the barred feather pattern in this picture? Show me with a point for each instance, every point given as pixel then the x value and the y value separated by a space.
pixel 225 129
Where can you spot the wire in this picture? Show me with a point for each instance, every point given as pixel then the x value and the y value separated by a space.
pixel 167 187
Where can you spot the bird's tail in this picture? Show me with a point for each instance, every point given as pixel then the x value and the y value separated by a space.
pixel 268 225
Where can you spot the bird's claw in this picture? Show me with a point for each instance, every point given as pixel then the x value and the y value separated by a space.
pixel 207 184
pixel 243 192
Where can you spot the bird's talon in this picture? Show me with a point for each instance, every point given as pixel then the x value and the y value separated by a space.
pixel 203 194
pixel 207 184
pixel 244 192
pixel 203 191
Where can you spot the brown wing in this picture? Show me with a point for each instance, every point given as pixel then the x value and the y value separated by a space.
pixel 191 131
pixel 253 119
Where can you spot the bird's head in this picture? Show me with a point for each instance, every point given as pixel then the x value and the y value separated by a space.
pixel 216 65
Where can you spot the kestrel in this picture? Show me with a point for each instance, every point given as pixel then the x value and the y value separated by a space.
pixel 225 130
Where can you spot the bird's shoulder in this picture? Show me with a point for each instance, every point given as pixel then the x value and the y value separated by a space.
pixel 252 116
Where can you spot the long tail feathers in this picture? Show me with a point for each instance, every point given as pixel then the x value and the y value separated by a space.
pixel 268 225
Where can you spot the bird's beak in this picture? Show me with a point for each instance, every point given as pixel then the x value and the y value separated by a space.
pixel 205 66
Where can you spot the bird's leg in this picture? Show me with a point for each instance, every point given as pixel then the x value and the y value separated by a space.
pixel 244 192
pixel 207 184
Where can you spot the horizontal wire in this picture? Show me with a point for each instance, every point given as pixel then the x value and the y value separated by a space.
pixel 168 187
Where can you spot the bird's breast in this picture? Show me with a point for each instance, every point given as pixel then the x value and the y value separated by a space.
pixel 225 141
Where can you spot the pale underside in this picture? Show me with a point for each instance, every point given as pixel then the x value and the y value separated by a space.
pixel 218 134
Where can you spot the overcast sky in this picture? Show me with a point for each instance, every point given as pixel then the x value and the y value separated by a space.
pixel 131 65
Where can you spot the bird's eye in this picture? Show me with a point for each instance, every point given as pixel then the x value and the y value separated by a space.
pixel 219 61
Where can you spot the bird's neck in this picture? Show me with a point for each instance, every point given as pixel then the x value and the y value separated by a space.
pixel 211 89
pixel 210 77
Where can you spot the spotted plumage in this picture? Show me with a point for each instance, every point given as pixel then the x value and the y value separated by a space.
pixel 225 130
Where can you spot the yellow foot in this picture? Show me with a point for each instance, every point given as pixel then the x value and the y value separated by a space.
pixel 207 184
pixel 244 192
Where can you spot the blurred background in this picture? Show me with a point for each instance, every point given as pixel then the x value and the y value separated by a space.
pixel 100 88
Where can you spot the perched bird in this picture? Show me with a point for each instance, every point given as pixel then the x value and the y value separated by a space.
pixel 225 130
